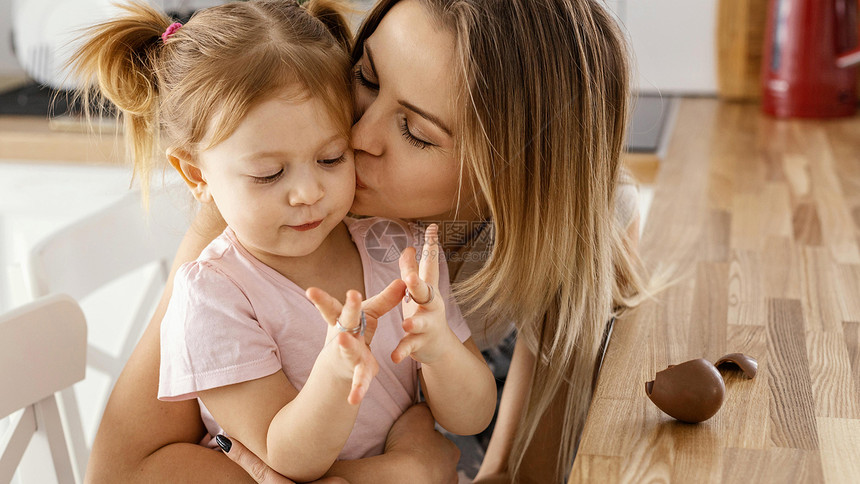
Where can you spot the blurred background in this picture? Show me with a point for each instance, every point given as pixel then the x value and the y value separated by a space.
pixel 54 172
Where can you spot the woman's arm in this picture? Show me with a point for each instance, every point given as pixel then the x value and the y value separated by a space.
pixel 415 452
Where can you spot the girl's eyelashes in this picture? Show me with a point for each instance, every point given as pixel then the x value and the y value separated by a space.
pixel 411 138
pixel 272 178
pixel 363 80
pixel 268 179
pixel 333 161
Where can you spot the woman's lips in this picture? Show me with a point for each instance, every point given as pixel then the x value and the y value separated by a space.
pixel 358 184
pixel 307 226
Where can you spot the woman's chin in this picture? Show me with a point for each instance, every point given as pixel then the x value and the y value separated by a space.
pixel 360 206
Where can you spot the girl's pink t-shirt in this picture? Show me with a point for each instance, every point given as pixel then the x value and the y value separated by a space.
pixel 232 319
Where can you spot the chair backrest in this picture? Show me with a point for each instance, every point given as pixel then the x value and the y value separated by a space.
pixel 42 351
pixel 116 240
pixel 94 252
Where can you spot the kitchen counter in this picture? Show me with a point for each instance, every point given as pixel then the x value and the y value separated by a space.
pixel 760 219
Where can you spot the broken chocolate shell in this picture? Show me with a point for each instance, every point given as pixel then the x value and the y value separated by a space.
pixel 747 364
pixel 691 392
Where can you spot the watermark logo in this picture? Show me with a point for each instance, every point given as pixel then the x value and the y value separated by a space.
pixel 385 240
pixel 460 241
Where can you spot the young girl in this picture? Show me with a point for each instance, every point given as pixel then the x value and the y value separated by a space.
pixel 254 100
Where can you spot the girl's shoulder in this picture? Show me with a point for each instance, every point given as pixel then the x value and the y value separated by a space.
pixel 220 264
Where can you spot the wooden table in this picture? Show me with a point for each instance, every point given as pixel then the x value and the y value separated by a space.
pixel 762 219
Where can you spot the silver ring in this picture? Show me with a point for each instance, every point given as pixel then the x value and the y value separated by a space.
pixel 409 297
pixel 356 330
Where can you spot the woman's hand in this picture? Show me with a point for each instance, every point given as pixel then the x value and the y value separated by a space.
pixel 428 335
pixel 256 468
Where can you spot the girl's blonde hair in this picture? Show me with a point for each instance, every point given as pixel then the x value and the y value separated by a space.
pixel 541 129
pixel 205 77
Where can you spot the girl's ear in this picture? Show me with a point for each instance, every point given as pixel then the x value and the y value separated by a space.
pixel 189 169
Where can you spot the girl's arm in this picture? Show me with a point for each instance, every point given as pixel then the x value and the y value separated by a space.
pixel 458 387
pixel 301 433
pixel 457 382
pixel 142 439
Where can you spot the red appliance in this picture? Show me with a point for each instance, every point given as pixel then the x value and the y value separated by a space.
pixel 810 48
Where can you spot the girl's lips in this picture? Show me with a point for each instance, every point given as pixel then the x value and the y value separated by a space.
pixel 304 227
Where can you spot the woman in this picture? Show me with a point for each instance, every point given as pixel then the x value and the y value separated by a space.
pixel 503 118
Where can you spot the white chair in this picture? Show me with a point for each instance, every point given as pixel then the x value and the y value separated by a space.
pixel 42 351
pixel 94 252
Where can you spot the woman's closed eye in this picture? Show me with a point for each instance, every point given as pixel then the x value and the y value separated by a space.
pixel 411 138
pixel 363 79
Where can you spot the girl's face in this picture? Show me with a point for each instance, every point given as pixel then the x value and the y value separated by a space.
pixel 404 139
pixel 283 180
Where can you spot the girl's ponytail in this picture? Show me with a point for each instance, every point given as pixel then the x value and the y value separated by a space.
pixel 119 60
pixel 333 14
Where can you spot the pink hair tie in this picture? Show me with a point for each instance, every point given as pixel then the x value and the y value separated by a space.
pixel 170 30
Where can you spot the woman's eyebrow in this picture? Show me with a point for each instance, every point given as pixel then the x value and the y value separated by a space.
pixel 424 114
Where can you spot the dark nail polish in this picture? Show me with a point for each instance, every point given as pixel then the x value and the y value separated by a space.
pixel 224 443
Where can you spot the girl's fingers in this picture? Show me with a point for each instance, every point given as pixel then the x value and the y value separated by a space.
pixel 350 348
pixel 408 345
pixel 407 262
pixel 362 378
pixel 429 267
pixel 350 316
pixel 375 307
pixel 329 307
pixel 419 290
pixel 415 325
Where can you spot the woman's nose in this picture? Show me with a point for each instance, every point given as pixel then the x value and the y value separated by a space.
pixel 368 132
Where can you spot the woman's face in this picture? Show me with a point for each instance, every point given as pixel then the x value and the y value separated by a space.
pixel 404 139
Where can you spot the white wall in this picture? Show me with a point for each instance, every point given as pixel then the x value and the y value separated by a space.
pixel 8 64
pixel 673 43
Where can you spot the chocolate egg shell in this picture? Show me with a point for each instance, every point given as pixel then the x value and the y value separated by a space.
pixel 692 391
pixel 747 364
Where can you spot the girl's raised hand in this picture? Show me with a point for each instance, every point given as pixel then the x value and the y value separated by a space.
pixel 428 334
pixel 352 358
pixel 354 353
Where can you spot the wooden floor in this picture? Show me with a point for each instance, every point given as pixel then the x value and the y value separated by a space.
pixel 762 219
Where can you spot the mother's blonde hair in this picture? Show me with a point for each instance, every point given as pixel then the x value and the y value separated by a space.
pixel 541 129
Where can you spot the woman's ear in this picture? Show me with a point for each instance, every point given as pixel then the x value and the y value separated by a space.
pixel 189 169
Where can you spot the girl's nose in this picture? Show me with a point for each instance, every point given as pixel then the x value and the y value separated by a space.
pixel 368 131
pixel 306 191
